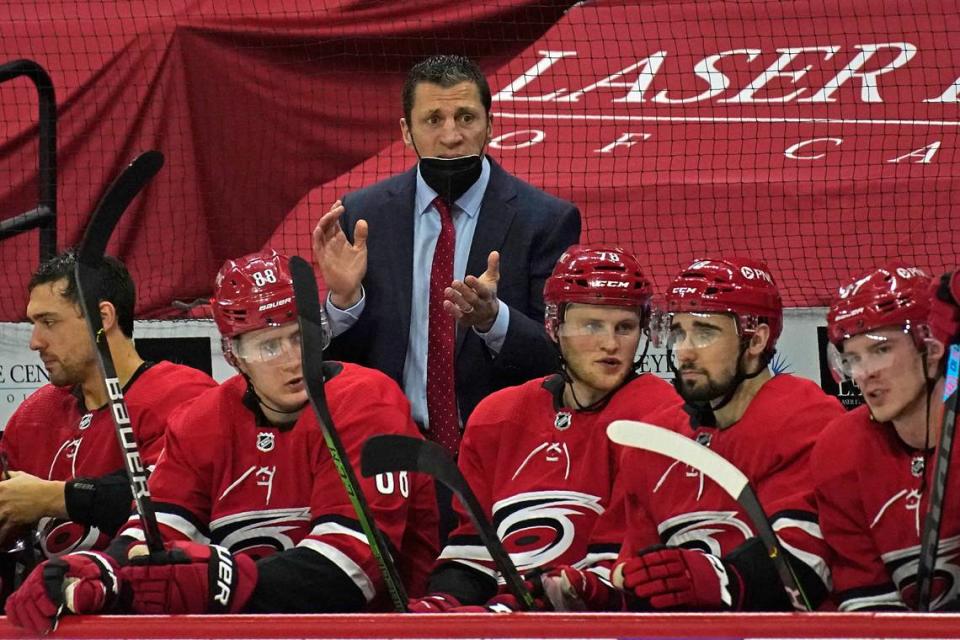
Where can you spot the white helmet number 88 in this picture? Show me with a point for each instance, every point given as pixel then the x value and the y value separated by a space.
pixel 261 278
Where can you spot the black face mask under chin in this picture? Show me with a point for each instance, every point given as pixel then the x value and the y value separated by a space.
pixel 451 177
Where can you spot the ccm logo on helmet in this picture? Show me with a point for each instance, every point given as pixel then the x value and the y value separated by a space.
pixel 611 283
pixel 752 273
pixel 274 305
pixel 682 291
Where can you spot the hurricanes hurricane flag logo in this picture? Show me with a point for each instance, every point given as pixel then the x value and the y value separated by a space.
pixel 539 527
pixel 903 565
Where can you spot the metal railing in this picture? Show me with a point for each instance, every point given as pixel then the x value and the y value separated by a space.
pixel 44 216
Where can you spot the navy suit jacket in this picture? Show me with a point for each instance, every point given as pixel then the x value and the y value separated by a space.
pixel 528 227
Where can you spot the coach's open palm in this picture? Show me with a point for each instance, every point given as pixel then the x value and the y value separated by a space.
pixel 473 301
pixel 341 263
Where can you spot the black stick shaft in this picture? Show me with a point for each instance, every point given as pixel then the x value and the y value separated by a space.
pixel 90 254
pixel 754 510
pixel 311 336
pixel 938 491
pixel 382 454
pixel 133 463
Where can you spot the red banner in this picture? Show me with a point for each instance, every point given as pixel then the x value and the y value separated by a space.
pixel 819 136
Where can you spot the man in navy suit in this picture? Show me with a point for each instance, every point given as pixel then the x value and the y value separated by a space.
pixel 378 261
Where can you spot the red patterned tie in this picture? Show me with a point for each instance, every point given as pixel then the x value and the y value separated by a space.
pixel 441 394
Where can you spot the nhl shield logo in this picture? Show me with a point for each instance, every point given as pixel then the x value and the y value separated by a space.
pixel 85 421
pixel 562 420
pixel 916 466
pixel 704 438
pixel 265 441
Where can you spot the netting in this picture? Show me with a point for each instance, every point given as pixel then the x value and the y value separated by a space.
pixel 820 135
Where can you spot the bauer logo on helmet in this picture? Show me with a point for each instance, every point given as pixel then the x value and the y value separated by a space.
pixel 275 304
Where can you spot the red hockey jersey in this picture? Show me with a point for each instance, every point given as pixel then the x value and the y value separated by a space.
pixel 54 437
pixel 869 490
pixel 544 474
pixel 670 503
pixel 258 489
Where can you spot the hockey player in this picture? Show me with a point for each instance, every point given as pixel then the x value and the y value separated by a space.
pixel 537 455
pixel 689 545
pixel 245 487
pixel 873 466
pixel 67 474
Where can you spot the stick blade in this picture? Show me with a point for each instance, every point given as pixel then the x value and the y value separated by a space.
pixel 391 453
pixel 641 435
pixel 387 453
pixel 114 202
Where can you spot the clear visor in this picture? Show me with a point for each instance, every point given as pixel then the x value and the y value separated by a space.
pixel 268 348
pixel 697 336
pixel 872 355
pixel 600 329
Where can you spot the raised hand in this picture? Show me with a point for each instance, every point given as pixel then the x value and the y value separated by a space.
pixel 341 263
pixel 473 301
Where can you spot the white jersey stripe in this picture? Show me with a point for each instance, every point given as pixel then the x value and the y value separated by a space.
pixel 334 529
pixel 812 560
pixel 179 524
pixel 889 599
pixel 465 552
pixel 345 563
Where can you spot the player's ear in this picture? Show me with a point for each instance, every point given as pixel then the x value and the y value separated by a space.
pixel 405 132
pixel 759 340
pixel 108 315
pixel 935 353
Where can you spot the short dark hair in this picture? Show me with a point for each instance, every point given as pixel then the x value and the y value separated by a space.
pixel 446 71
pixel 113 284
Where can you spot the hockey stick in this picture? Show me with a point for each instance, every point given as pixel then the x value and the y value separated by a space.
pixel 938 490
pixel 648 437
pixel 311 354
pixel 90 253
pixel 383 454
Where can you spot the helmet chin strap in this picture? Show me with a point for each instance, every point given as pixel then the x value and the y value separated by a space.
pixel 739 377
pixel 605 400
pixel 252 390
pixel 930 384
pixel 275 409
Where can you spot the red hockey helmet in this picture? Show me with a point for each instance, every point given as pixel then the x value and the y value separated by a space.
pixel 595 274
pixel 739 286
pixel 893 295
pixel 253 292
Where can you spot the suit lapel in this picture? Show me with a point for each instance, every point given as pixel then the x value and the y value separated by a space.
pixel 495 217
pixel 399 205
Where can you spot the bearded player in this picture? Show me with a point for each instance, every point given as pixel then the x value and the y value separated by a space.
pixel 689 545
pixel 246 488
pixel 67 477
pixel 536 454
pixel 873 466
